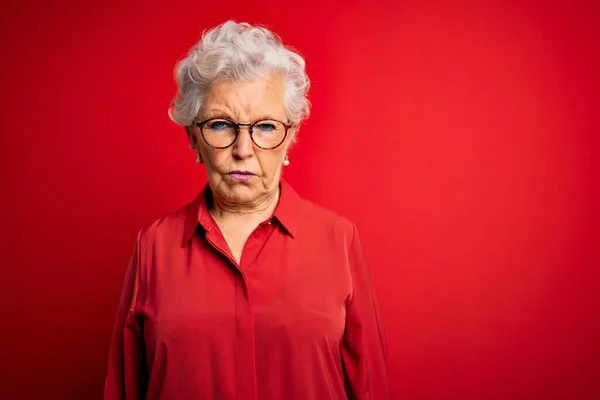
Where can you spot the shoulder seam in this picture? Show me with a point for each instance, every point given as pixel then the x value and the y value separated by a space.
pixel 136 259
pixel 350 266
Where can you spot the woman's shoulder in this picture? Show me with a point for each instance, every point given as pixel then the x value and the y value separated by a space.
pixel 318 215
pixel 170 226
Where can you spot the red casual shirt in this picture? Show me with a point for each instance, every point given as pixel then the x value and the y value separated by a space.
pixel 297 319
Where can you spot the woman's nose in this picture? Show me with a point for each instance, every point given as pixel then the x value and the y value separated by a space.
pixel 243 146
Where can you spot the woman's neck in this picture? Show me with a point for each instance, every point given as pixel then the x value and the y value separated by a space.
pixel 257 212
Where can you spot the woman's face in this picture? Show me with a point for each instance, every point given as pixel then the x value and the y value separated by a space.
pixel 243 102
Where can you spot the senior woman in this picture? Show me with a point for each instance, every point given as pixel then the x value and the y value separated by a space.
pixel 250 291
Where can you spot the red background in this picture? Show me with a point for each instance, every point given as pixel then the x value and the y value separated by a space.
pixel 460 137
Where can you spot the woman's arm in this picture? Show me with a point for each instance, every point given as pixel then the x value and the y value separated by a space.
pixel 126 374
pixel 364 350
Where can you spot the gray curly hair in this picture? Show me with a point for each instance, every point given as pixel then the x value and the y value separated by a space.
pixel 238 51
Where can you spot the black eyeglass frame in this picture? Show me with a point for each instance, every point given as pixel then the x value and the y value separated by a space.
pixel 237 125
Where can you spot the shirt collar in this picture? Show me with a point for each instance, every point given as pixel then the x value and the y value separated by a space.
pixel 288 208
pixel 286 213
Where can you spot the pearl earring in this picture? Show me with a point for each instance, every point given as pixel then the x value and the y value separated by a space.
pixel 198 158
pixel 286 161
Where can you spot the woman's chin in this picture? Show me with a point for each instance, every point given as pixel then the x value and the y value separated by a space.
pixel 238 192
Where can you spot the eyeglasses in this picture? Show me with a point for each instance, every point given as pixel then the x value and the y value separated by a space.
pixel 220 133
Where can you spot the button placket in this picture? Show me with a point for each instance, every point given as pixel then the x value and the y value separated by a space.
pixel 247 389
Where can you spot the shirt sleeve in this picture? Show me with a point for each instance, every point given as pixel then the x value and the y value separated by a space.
pixel 126 377
pixel 364 349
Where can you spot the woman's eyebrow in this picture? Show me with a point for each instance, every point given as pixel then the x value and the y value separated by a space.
pixel 268 117
pixel 216 113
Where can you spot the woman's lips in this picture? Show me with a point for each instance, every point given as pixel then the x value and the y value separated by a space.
pixel 241 175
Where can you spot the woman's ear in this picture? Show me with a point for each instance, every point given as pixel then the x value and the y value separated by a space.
pixel 191 137
pixel 295 129
pixel 193 144
pixel 294 135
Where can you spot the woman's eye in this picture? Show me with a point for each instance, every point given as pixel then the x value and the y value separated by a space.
pixel 266 127
pixel 219 125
